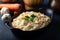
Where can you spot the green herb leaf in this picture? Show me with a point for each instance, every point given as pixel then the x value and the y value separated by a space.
pixel 31 19
pixel 27 18
pixel 33 16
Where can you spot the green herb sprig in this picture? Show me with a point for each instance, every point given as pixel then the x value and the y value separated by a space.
pixel 27 18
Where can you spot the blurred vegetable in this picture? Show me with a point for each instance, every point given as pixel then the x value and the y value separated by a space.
pixel 55 4
pixel 5 14
pixel 13 7
pixel 4 10
pixel 6 17
pixel 30 4
pixel 8 1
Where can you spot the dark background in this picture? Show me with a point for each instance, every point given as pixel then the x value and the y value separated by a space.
pixel 52 33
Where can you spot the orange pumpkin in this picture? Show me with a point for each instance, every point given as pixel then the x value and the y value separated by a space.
pixel 32 3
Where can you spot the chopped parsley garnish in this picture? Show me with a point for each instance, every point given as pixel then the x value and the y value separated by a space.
pixel 30 18
pixel 33 15
pixel 27 18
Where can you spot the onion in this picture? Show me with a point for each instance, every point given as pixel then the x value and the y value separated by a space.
pixel 55 4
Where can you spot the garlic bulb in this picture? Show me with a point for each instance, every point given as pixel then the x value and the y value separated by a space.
pixel 6 17
pixel 5 14
pixel 4 10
